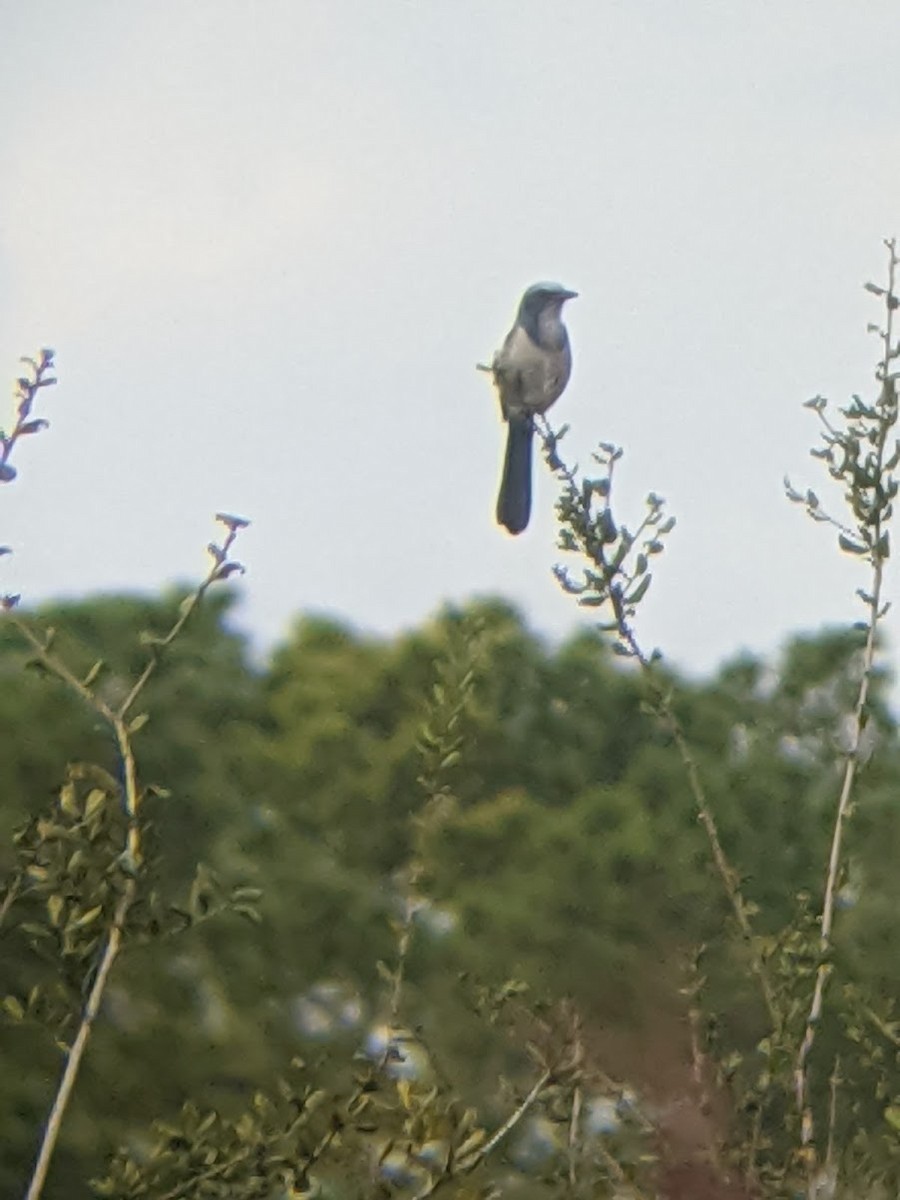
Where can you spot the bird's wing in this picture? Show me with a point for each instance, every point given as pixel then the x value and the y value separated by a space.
pixel 508 375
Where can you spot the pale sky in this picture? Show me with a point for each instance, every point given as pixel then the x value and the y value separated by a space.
pixel 269 241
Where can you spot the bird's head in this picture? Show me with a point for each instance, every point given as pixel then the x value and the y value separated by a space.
pixel 540 313
pixel 543 297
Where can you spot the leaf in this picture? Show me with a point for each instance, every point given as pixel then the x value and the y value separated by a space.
pixel 94 803
pixel 137 723
pixel 639 592
pixel 13 1006
pixel 55 905
pixel 850 546
pixel 247 893
pixel 475 1139
pixel 93 673
pixel 68 800
pixel 86 918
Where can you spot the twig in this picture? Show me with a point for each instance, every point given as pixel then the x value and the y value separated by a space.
pixel 438 1181
pixel 9 899
pixel 221 569
pixel 878 553
pixel 132 854
pixel 511 1121
pixel 26 391
pixel 79 1045
pixel 594 549
pixel 833 1084
pixel 574 1122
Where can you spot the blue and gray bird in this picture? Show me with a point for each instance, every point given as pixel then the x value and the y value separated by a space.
pixel 530 370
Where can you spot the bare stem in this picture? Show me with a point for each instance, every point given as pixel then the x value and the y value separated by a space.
pixel 873 601
pixel 27 389
pixel 79 1045
pixel 662 706
pixel 574 1122
pixel 132 854
pixel 438 1181
pixel 12 893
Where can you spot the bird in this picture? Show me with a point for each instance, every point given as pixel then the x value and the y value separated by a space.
pixel 530 370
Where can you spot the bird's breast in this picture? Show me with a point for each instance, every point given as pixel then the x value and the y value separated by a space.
pixel 530 377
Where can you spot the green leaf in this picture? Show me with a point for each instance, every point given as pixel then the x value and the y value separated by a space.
pixel 94 803
pixel 639 592
pixel 93 673
pixel 68 800
pixel 13 1006
pixel 86 918
pixel 247 893
pixel 55 906
pixel 475 1139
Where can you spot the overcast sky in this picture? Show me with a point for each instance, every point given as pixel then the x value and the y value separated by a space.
pixel 269 241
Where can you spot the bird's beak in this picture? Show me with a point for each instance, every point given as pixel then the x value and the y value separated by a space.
pixel 567 295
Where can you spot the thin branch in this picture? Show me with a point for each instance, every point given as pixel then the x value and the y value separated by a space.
pixel 833 1085
pixel 9 899
pixel 220 569
pixel 511 1121
pixel 79 1045
pixel 449 1174
pixel 26 391
pixel 574 1121
pixel 595 551
pixel 55 666
pixel 888 404
pixel 132 853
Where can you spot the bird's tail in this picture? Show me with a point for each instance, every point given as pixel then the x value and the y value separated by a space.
pixel 514 501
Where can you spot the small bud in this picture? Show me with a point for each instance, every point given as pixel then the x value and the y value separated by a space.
pixel 232 522
pixel 231 568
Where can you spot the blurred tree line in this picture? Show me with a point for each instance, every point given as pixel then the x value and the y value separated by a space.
pixel 571 860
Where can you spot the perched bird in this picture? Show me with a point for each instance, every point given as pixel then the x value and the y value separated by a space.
pixel 530 370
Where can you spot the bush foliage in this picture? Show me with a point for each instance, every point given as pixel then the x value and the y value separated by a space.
pixel 459 911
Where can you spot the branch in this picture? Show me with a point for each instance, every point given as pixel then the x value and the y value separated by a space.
pixel 869 493
pixel 132 850
pixel 27 388
pixel 620 587
pixel 434 1184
